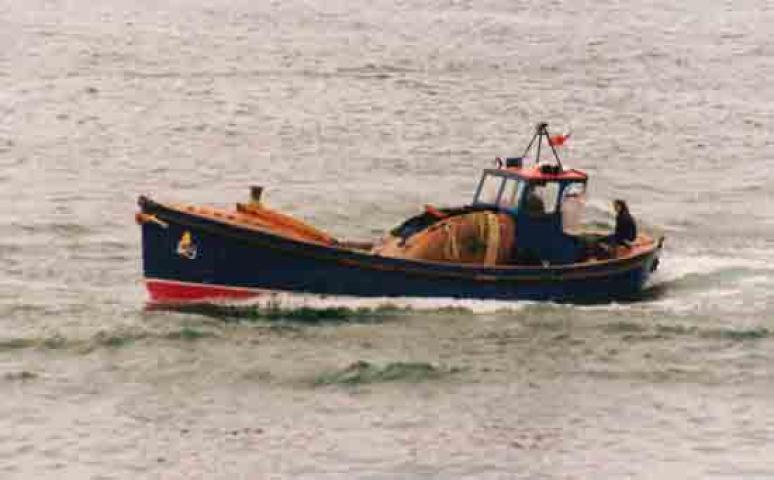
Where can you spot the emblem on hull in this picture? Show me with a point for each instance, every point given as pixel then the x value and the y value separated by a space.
pixel 186 248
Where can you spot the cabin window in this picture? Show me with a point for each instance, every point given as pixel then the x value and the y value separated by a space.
pixel 511 193
pixel 575 189
pixel 490 189
pixel 573 205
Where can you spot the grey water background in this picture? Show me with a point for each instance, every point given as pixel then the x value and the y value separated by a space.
pixel 354 114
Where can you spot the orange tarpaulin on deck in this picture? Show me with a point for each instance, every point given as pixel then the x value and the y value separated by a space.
pixel 481 237
pixel 283 224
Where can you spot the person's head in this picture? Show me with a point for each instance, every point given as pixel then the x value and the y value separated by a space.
pixel 620 206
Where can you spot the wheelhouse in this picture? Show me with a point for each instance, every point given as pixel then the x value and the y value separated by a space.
pixel 545 199
pixel 540 189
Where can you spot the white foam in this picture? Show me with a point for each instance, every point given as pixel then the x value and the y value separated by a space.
pixel 701 282
pixel 680 266
pixel 299 300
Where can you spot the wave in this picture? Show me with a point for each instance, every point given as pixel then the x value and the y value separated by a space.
pixel 103 339
pixel 21 376
pixel 737 334
pixel 362 372
pixel 633 331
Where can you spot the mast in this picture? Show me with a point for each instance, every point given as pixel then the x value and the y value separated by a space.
pixel 541 130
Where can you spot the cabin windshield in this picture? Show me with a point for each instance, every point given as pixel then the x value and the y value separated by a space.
pixel 499 190
pixel 489 189
pixel 511 193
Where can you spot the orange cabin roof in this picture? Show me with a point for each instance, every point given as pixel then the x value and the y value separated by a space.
pixel 534 172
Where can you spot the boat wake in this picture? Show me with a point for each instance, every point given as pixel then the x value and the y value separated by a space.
pixel 693 282
pixel 309 308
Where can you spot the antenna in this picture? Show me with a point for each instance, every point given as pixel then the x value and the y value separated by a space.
pixel 541 130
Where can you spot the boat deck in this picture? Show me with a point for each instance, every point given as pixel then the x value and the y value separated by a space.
pixel 245 219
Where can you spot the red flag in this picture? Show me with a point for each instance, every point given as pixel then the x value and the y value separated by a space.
pixel 558 140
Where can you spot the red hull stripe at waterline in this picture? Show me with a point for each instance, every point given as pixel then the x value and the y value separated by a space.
pixel 174 291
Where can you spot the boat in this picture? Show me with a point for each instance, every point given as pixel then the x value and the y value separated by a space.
pixel 519 239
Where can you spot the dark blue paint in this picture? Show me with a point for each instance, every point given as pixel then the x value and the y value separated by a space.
pixel 232 256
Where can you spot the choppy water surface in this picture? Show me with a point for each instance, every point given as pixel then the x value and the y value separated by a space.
pixel 353 115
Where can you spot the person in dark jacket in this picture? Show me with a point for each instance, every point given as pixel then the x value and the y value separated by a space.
pixel 625 232
pixel 625 226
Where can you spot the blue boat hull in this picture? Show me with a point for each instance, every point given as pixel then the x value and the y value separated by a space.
pixel 223 258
